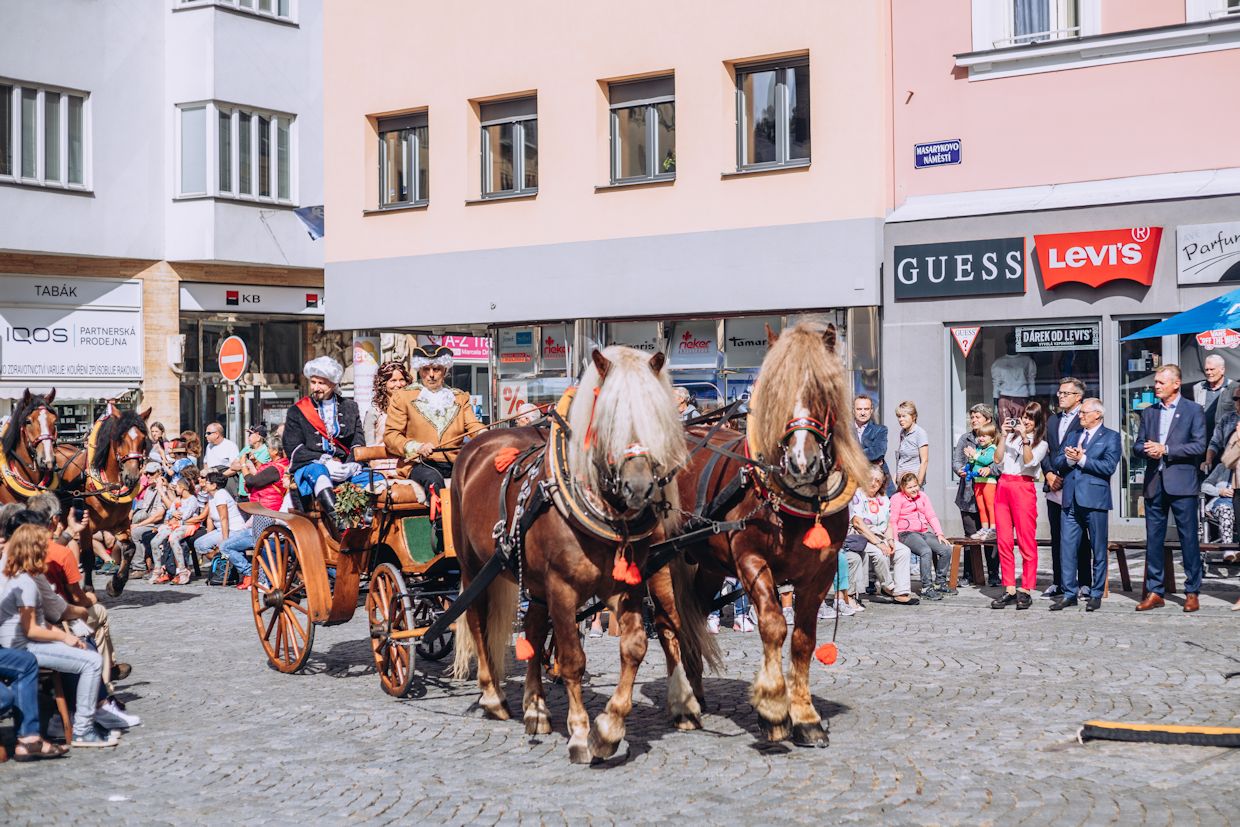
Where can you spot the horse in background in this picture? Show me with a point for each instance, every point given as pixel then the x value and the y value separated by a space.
pixel 624 444
pixel 105 474
pixel 28 449
pixel 801 464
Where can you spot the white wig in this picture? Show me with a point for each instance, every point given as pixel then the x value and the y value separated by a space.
pixel 325 367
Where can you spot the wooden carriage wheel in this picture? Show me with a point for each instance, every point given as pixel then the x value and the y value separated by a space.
pixel 388 610
pixel 280 602
pixel 425 611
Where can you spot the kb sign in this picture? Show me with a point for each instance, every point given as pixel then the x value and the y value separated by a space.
pixel 960 268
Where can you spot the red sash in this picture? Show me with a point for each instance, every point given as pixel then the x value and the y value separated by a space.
pixel 316 422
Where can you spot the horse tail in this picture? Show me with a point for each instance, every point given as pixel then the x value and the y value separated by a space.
pixel 698 644
pixel 501 603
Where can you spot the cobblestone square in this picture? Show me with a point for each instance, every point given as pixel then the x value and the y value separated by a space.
pixel 940 714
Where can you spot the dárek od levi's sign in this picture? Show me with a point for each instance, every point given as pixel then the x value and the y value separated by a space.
pixel 1095 258
pixel 960 268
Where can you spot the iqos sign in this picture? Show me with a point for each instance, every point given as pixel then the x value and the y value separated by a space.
pixel 960 268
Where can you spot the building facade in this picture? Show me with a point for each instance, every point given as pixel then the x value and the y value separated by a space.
pixel 154 154
pixel 1057 190
pixel 663 191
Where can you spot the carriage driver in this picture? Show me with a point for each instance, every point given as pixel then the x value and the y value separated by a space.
pixel 320 433
pixel 420 419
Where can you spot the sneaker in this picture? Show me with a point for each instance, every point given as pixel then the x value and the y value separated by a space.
pixel 991 534
pixel 946 590
pixel 930 594
pixel 826 611
pixel 743 624
pixel 993 581
pixel 712 624
pixel 1051 591
pixel 162 579
pixel 108 569
pixel 844 609
pixel 789 616
pixel 110 716
pixel 855 605
pixel 980 534
pixel 182 578
pixel 246 582
pixel 96 736
pixel 1083 593
pixel 596 632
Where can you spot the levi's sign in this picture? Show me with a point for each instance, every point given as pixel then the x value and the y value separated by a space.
pixel 960 268
pixel 1095 258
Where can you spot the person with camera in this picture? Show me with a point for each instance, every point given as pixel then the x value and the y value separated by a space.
pixel 1016 504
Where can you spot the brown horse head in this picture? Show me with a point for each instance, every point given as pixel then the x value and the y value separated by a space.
pixel 32 432
pixel 121 446
pixel 627 437
pixel 801 397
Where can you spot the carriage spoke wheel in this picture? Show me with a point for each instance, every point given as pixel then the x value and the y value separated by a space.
pixel 425 612
pixel 279 600
pixel 388 610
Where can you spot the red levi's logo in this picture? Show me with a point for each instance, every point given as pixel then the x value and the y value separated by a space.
pixel 1098 257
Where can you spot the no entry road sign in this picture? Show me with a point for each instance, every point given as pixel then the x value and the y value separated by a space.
pixel 233 358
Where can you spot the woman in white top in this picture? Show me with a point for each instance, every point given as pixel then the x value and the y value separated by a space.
pixel 390 378
pixel 1016 504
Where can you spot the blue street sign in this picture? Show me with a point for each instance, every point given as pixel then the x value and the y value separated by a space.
pixel 936 154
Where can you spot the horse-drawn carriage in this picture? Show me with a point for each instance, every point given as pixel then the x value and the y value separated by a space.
pixel 306 573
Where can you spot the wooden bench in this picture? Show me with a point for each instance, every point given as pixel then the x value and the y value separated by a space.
pixel 1120 549
pixel 974 548
pixel 50 677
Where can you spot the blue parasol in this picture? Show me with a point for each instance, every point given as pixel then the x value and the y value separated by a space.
pixel 1216 314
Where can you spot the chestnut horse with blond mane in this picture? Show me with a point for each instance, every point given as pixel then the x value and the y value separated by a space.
pixel 623 445
pixel 801 463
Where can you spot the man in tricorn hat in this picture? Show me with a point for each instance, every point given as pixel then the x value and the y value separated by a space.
pixel 320 433
pixel 420 420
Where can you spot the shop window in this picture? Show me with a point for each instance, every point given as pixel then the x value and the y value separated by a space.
pixel 532 366
pixel 509 147
pixel 404 152
pixel 1010 365
pixel 281 352
pixel 772 116
pixel 643 130
pixel 1138 361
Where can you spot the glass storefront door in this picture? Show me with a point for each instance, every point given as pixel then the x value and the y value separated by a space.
pixel 1138 361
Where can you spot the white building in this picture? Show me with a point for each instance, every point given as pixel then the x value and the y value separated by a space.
pixel 152 155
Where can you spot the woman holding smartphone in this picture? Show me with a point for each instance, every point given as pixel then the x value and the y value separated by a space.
pixel 1016 504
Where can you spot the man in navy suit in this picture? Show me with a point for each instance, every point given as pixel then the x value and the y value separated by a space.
pixel 872 436
pixel 1172 441
pixel 1086 464
pixel 1062 429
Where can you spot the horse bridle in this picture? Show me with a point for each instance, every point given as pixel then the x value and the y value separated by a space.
pixel 610 474
pixel 823 466
pixel 32 449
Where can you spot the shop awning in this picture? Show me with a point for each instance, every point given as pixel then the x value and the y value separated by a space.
pixel 1217 314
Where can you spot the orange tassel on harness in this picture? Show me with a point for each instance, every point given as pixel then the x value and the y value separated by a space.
pixel 525 649
pixel 817 537
pixel 589 437
pixel 620 571
pixel 505 458
pixel 826 653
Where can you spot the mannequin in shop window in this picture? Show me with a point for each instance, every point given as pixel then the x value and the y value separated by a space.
pixel 1014 377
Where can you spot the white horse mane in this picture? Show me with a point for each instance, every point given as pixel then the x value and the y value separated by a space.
pixel 634 405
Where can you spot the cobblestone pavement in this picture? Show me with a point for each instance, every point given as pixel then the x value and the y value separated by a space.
pixel 940 714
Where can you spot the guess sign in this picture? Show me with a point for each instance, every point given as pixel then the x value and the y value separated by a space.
pixel 960 268
pixel 1095 258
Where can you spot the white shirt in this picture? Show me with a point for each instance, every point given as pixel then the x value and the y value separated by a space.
pixel 1065 422
pixel 235 521
pixel 1014 375
pixel 220 455
pixel 1014 457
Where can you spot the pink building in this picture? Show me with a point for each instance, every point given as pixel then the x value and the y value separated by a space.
pixel 1077 178
pixel 674 178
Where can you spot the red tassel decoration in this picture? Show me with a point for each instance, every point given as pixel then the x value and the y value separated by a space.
pixel 589 438
pixel 505 458
pixel 620 571
pixel 817 537
pixel 525 649
pixel 826 654
pixel 633 575
pixel 434 503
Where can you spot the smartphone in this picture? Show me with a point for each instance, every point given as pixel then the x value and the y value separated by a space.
pixel 79 508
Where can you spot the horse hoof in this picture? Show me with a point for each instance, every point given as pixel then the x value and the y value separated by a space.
pixel 579 753
pixel 497 712
pixel 776 732
pixel 810 735
pixel 600 748
pixel 686 723
pixel 537 724
pixel 112 589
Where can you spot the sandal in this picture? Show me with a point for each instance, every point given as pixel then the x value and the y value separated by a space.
pixel 46 750
pixel 909 600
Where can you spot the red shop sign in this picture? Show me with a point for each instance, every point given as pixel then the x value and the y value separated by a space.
pixel 1095 258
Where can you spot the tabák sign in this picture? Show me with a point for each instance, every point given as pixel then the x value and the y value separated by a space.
pixel 1098 257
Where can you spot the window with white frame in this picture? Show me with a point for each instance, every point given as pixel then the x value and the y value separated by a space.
pixel 1002 24
pixel 509 147
pixel 772 114
pixel 643 130
pixel 235 152
pixel 404 160
pixel 1196 11
pixel 42 136
pixel 279 9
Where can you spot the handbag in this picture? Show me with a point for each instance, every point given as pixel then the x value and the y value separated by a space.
pixel 966 500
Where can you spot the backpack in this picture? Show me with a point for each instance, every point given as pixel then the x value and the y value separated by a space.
pixel 215 575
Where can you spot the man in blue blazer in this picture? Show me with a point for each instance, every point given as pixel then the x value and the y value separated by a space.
pixel 873 437
pixel 1086 464
pixel 1172 441
pixel 1062 429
